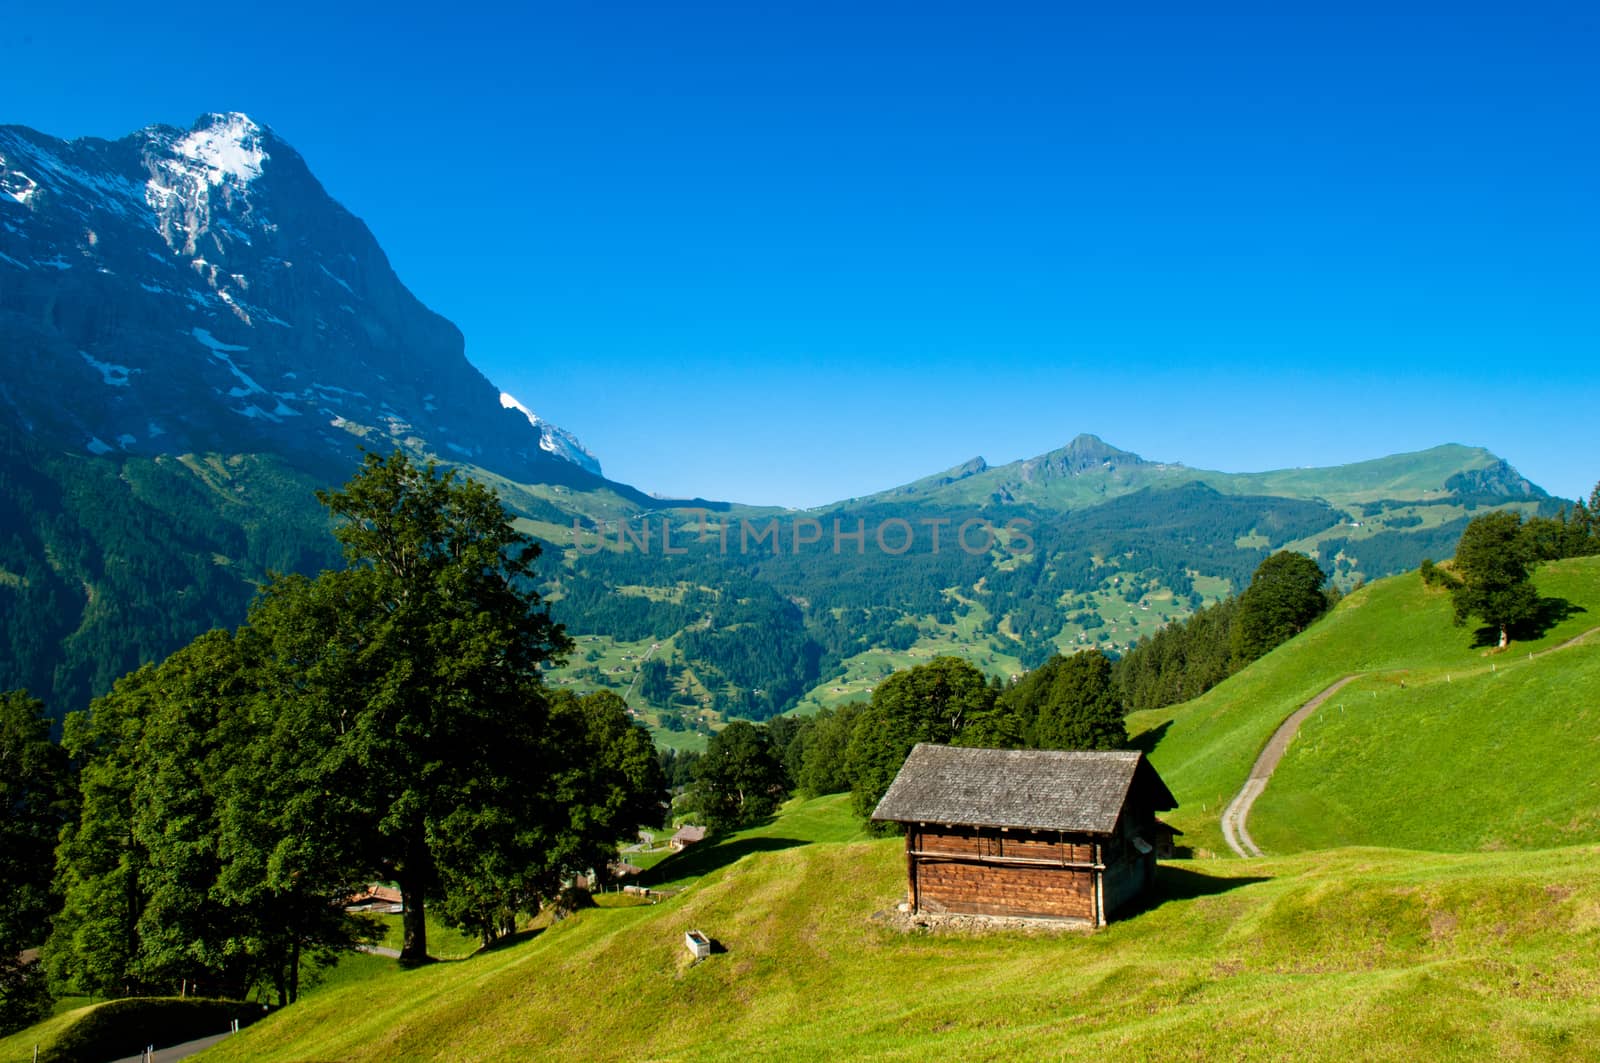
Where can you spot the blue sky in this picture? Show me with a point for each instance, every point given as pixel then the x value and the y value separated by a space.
pixel 794 254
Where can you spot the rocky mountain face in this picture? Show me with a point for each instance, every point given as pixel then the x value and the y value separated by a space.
pixel 199 291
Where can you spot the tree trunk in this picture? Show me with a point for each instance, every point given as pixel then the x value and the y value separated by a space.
pixel 294 970
pixel 280 980
pixel 414 920
pixel 1505 636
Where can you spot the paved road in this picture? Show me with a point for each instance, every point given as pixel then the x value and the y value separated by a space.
pixel 183 1051
pixel 1234 831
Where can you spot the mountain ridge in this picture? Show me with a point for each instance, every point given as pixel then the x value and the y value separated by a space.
pixel 1088 470
pixel 213 258
pixel 194 336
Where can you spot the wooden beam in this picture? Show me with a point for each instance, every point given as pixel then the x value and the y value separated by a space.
pixel 979 858
pixel 911 868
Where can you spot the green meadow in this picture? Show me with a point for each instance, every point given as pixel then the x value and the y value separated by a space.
pixel 1358 953
pixel 1431 892
pixel 1392 631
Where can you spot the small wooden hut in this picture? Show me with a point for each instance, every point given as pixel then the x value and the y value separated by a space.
pixel 1026 832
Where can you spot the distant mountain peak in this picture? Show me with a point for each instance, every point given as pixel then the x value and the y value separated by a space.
pixel 198 290
pixel 226 146
pixel 1085 453
pixel 554 439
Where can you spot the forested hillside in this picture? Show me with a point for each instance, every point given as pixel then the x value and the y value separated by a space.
pixel 753 614
pixel 108 564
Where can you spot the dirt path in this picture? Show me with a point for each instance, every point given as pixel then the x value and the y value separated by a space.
pixel 1234 831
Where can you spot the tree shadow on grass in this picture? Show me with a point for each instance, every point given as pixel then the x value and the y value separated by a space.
pixel 510 939
pixel 1174 883
pixel 706 857
pixel 1146 741
pixel 1547 614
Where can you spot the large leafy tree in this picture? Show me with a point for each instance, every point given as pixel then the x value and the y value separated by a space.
pixel 607 783
pixel 183 867
pixel 431 672
pixel 1493 563
pixel 1069 703
pixel 1285 595
pixel 740 779
pixel 933 702
pixel 387 720
pixel 35 801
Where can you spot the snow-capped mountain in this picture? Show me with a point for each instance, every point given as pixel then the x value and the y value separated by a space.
pixel 198 290
pixel 554 439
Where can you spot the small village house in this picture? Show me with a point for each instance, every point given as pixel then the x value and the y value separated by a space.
pixel 1028 833
pixel 376 898
pixel 685 837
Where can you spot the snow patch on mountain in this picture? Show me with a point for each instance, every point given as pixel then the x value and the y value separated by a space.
pixel 340 281
pixel 553 439
pixel 229 147
pixel 219 351
pixel 77 189
pixel 18 185
pixel 116 376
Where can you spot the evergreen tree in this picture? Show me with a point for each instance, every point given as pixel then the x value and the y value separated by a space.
pixel 94 937
pixel 823 766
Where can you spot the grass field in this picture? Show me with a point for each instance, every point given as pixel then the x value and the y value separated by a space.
pixel 1431 893
pixel 1394 629
pixel 1503 759
pixel 1348 954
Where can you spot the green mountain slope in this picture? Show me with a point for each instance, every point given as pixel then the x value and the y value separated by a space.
pixel 1088 471
pixel 1398 631
pixel 1363 953
pixel 109 562
pixel 1502 759
pixel 105 565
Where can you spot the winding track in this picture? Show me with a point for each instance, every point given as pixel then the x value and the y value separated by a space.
pixel 1234 831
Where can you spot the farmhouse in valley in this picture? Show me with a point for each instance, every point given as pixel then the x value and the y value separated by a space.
pixel 1028 832
pixel 686 836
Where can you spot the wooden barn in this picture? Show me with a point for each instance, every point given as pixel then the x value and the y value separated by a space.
pixel 1027 832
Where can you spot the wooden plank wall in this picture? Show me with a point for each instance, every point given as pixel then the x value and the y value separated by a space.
pixel 990 842
pixel 978 889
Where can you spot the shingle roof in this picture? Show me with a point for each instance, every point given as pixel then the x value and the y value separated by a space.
pixel 1036 789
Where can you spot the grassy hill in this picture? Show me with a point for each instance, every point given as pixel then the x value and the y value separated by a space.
pixel 1397 631
pixel 1322 952
pixel 1354 954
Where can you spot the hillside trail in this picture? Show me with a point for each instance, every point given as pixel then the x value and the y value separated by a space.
pixel 1234 831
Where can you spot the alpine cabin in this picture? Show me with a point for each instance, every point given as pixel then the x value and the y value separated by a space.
pixel 1026 832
